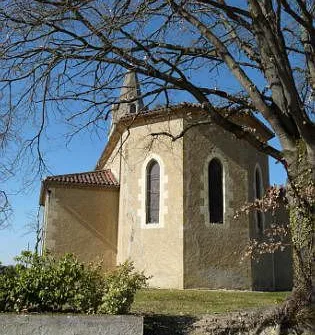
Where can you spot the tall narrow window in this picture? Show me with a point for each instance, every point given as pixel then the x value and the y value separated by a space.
pixel 215 187
pixel 132 108
pixel 258 195
pixel 153 192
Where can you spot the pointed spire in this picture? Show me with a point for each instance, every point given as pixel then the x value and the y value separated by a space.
pixel 131 87
pixel 131 93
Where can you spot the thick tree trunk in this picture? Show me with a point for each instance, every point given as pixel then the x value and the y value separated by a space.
pixel 302 220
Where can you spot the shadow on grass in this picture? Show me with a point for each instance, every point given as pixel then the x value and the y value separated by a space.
pixel 167 324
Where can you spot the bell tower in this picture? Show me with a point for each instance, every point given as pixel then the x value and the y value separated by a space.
pixel 130 101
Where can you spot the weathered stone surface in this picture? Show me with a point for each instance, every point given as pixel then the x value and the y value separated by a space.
pixel 70 325
pixel 241 323
pixel 213 251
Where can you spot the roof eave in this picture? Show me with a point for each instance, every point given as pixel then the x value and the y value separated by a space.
pixel 52 183
pixel 132 120
pixel 46 183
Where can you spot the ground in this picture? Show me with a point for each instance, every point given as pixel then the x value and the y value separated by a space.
pixel 174 312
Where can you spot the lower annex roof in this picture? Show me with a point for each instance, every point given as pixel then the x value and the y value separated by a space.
pixel 99 178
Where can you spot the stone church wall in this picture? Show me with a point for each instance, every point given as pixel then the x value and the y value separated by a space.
pixel 185 250
pixel 212 250
pixel 82 221
pixel 115 160
pixel 156 249
pixel 269 271
pixel 263 276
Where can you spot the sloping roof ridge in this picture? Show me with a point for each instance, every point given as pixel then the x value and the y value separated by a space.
pixel 150 112
pixel 178 105
pixel 103 177
pixel 78 173
pixel 97 178
pixel 130 120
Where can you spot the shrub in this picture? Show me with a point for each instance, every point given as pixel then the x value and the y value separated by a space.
pixel 120 288
pixel 7 282
pixel 42 283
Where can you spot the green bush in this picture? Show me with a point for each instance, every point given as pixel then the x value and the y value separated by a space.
pixel 43 283
pixel 120 288
pixel 7 281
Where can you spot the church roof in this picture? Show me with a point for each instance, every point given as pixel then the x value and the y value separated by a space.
pixel 244 119
pixel 99 178
pixel 181 110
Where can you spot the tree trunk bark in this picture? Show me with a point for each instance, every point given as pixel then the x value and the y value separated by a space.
pixel 302 220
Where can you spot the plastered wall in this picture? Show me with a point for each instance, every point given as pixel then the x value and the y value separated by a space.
pixel 185 250
pixel 82 221
pixel 156 249
pixel 212 251
pixel 269 271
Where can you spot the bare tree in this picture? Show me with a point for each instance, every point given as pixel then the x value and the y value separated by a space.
pixel 34 226
pixel 5 209
pixel 56 53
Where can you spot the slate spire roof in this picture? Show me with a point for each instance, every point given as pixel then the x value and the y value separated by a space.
pixel 131 88
pixel 130 100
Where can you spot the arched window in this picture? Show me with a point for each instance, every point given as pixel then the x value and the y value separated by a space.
pixel 258 195
pixel 215 189
pixel 132 108
pixel 153 192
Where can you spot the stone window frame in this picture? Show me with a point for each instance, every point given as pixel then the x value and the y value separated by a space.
pixel 143 192
pixel 205 192
pixel 262 191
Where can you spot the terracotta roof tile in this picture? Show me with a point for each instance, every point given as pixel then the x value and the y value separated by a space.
pixel 92 178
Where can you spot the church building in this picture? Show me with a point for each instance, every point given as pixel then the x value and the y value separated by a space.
pixel 164 194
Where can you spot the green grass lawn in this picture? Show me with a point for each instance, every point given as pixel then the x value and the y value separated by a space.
pixel 197 302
